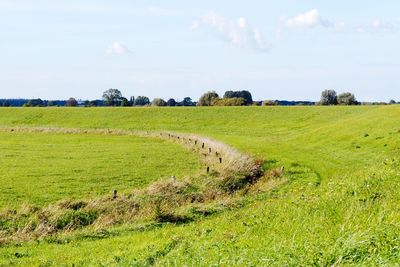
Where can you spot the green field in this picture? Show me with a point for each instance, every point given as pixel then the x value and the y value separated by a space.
pixel 41 168
pixel 337 203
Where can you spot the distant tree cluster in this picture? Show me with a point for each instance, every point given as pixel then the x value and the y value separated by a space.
pixel 35 103
pixel 231 98
pixel 114 97
pixel 330 97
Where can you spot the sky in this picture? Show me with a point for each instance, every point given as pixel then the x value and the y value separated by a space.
pixel 287 49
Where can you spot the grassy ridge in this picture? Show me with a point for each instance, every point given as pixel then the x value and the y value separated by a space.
pixel 338 206
pixel 42 168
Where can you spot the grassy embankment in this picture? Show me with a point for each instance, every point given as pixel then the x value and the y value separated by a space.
pixel 338 206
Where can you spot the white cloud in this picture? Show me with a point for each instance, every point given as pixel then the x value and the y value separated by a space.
pixel 376 26
pixel 312 19
pixel 307 20
pixel 116 48
pixel 237 33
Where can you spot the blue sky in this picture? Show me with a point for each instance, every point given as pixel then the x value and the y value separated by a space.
pixel 288 49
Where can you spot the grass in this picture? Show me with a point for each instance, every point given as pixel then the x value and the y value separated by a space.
pixel 337 203
pixel 42 168
pixel 159 202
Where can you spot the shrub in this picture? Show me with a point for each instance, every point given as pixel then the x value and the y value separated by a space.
pixel 240 94
pixel 236 101
pixel 269 103
pixel 347 99
pixel 208 98
pixel 158 102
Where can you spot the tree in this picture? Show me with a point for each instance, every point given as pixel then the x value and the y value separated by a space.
pixel 158 102
pixel 392 102
pixel 124 102
pixel 6 103
pixel 346 99
pixel 51 103
pixel 240 94
pixel 208 98
pixel 142 101
pixel 171 102
pixel 93 103
pixel 35 103
pixel 71 102
pixel 112 97
pixel 187 102
pixel 328 97
pixel 132 101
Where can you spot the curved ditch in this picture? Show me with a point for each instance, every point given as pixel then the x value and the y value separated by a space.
pixel 177 200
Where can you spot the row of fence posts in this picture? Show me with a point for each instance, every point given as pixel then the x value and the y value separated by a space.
pixel 202 146
pixel 115 193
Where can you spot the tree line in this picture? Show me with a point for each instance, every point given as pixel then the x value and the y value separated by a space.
pixel 114 97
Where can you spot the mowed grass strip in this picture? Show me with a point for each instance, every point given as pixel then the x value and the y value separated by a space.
pixel 41 168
